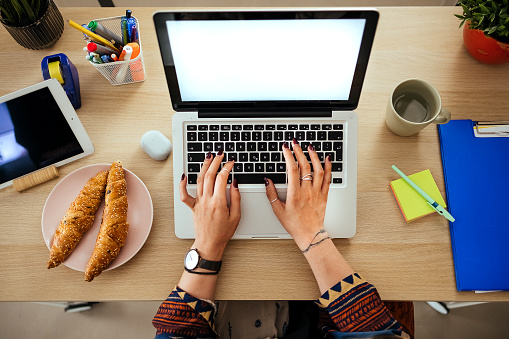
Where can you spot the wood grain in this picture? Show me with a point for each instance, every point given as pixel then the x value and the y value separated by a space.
pixel 404 261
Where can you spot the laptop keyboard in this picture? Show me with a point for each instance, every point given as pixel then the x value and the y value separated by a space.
pixel 257 148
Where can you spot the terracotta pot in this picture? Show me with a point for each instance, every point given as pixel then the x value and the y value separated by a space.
pixel 41 34
pixel 485 49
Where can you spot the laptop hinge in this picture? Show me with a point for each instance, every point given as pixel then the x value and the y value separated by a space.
pixel 265 114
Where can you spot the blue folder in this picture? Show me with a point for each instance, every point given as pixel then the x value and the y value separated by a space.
pixel 476 172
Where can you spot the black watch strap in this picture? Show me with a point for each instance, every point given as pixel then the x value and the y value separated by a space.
pixel 210 265
pixel 197 272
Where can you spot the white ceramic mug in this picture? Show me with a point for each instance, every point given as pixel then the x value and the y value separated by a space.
pixel 413 105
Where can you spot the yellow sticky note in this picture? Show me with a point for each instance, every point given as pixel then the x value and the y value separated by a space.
pixel 411 203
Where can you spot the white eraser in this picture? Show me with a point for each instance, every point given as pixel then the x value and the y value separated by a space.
pixel 156 145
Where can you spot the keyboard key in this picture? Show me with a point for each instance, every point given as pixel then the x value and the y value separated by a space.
pixel 335 135
pixel 237 127
pixel 191 178
pixel 304 145
pixel 332 155
pixel 278 136
pixel 311 135
pixel 225 127
pixel 262 146
pixel 277 178
pixel 339 155
pixel 193 168
pixel 270 167
pixel 247 127
pixel 270 127
pixel 259 167
pixel 218 146
pixel 194 146
pixel 246 136
pixel 337 180
pixel 192 127
pixel 317 146
pixel 337 127
pixel 273 146
pixel 337 167
pixel 338 146
pixel 243 157
pixel 275 157
pixel 259 127
pixel 251 146
pixel 232 156
pixel 248 167
pixel 213 136
pixel 321 135
pixel 203 128
pixel 192 136
pixel 315 127
pixel 208 147
pixel 293 127
pixel 327 146
pixel 289 136
pixel 300 135
pixel 240 146
pixel 224 136
pixel 281 167
pixel 238 167
pixel 265 156
pixel 327 127
pixel 254 157
pixel 267 136
pixel 202 136
pixel 304 127
pixel 229 146
pixel 281 127
pixel 235 136
pixel 214 127
pixel 256 136
pixel 195 157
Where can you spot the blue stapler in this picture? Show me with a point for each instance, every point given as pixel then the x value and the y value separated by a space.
pixel 58 66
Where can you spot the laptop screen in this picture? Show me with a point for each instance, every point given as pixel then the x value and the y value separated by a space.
pixel 272 60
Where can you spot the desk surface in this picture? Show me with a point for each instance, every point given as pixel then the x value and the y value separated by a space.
pixel 404 261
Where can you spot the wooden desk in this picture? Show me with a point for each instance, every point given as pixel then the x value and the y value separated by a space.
pixel 404 261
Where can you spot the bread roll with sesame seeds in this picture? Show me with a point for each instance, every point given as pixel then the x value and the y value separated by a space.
pixel 78 219
pixel 114 226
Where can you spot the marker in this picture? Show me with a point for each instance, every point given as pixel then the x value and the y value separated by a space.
pixel 125 32
pixel 134 34
pixel 106 58
pixel 96 27
pixel 130 23
pixel 98 48
pixel 442 211
pixel 125 55
pixel 93 35
pixel 114 57
pixel 97 58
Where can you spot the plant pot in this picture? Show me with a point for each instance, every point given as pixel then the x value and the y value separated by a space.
pixel 41 34
pixel 485 49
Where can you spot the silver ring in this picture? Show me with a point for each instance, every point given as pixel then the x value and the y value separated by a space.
pixel 226 169
pixel 274 200
pixel 307 177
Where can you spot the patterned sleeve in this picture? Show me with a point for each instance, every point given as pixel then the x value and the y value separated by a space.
pixel 183 316
pixel 354 305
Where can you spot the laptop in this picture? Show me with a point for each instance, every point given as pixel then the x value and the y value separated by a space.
pixel 245 82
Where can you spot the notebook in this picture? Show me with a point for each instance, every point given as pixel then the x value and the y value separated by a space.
pixel 246 81
pixel 412 204
pixel 476 183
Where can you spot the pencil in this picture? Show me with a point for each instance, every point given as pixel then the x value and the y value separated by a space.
pixel 93 35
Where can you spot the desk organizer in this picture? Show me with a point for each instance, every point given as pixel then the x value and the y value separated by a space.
pixel 134 69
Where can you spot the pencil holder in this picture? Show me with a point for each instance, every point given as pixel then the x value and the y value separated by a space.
pixel 121 72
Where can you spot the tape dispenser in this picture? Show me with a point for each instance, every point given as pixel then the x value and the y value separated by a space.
pixel 58 66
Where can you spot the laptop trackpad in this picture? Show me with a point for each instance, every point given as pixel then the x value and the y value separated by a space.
pixel 257 218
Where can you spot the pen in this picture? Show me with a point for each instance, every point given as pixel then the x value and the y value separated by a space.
pixel 429 199
pixel 96 27
pixel 134 34
pixel 125 32
pixel 93 35
pixel 98 48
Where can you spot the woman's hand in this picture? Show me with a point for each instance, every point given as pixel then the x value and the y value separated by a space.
pixel 304 211
pixel 214 222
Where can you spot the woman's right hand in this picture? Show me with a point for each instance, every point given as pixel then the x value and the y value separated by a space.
pixel 303 213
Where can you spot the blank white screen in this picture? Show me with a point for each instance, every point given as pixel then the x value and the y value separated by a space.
pixel 256 60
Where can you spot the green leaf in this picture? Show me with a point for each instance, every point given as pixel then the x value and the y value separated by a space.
pixel 28 11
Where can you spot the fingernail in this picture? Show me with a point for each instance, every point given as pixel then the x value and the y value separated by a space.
pixel 235 183
pixel 208 156
pixel 183 177
pixel 311 147
pixel 220 152
pixel 295 142
pixel 230 159
pixel 285 145
pixel 266 181
pixel 328 157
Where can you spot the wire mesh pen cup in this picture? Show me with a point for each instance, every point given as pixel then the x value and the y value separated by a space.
pixel 122 72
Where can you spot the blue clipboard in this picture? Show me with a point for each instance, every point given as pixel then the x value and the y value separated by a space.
pixel 476 173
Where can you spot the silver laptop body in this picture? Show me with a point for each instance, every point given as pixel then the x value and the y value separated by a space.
pixel 245 82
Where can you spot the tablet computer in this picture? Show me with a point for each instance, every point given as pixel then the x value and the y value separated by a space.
pixel 39 127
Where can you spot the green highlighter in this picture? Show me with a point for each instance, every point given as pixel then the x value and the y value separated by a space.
pixel 442 211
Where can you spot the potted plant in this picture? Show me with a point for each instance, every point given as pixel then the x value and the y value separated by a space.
pixel 486 29
pixel 34 24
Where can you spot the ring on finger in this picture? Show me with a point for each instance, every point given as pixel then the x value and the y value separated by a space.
pixel 274 200
pixel 307 177
pixel 226 169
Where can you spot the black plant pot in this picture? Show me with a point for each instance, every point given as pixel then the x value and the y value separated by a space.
pixel 41 34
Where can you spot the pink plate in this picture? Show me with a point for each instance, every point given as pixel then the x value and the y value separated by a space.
pixel 139 215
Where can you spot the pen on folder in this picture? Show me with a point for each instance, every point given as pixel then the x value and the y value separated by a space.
pixel 442 211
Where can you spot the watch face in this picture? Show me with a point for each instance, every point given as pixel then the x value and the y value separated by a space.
pixel 192 259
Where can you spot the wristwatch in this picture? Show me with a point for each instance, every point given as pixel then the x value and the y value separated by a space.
pixel 194 261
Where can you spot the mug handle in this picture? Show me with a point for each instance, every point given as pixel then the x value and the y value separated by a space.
pixel 443 117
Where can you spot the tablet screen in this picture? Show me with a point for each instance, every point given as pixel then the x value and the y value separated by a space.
pixel 34 134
